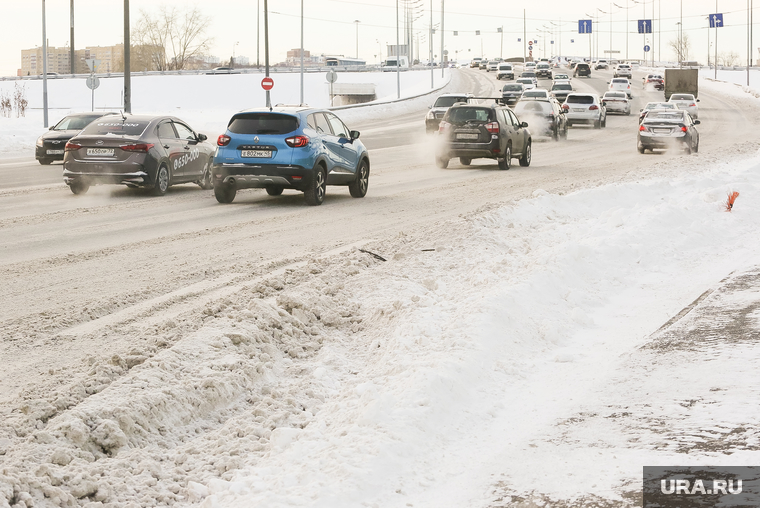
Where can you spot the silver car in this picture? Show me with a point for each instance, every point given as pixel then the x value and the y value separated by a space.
pixel 585 108
pixel 616 102
pixel 687 102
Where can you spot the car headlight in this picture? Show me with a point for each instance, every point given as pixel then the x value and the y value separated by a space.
pixel 430 115
pixel 39 142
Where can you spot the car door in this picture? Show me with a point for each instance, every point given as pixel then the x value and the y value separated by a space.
pixel 520 134
pixel 191 163
pixel 172 145
pixel 347 151
pixel 329 141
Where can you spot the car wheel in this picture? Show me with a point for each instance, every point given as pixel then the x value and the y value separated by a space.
pixel 45 162
pixel 315 194
pixel 225 192
pixel 598 124
pixel 604 122
pixel 641 149
pixel 465 161
pixel 555 134
pixel 274 190
pixel 696 146
pixel 162 181
pixel 79 187
pixel 358 188
pixel 526 156
pixel 206 183
pixel 506 162
pixel 442 162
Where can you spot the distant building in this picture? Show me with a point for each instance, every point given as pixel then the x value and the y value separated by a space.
pixel 294 58
pixel 59 59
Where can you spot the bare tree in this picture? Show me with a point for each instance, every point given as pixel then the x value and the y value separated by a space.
pixel 681 47
pixel 172 38
pixel 728 59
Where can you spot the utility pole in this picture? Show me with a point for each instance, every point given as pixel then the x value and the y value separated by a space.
pixel 127 75
pixel 73 61
pixel 258 25
pixel 443 32
pixel 44 68
pixel 301 53
pixel 266 49
pixel 430 43
pixel 356 21
pixel 398 63
pixel 525 40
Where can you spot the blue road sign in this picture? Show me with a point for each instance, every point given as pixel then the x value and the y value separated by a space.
pixel 716 20
pixel 584 26
pixel 519 39
pixel 645 26
pixel 647 48
pixel 552 42
pixel 530 47
pixel 572 40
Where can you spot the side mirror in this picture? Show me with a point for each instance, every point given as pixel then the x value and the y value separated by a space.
pixel 51 127
pixel 696 122
pixel 354 135
pixel 524 124
pixel 430 107
pixel 697 100
pixel 641 110
pixel 202 137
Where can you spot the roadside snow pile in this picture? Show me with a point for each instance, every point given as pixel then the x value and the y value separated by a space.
pixel 425 380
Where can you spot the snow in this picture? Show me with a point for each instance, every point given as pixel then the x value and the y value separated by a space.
pixel 483 363
pixel 205 101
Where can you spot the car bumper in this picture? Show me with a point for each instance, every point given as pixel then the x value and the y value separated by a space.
pixel 256 176
pixel 582 117
pixel 43 153
pixel 432 124
pixel 138 178
pixel 617 107
pixel 490 150
pixel 662 141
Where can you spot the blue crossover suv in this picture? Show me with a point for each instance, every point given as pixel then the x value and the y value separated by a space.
pixel 289 147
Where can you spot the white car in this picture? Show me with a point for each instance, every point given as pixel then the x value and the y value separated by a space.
pixel 621 85
pixel 506 71
pixel 493 65
pixel 585 108
pixel 561 77
pixel 536 93
pixel 686 101
pixel 530 66
pixel 623 70
pixel 617 102
pixel 654 105
pixel 527 83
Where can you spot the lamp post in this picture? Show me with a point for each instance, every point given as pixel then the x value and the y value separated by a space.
pixel 301 53
pixel 232 63
pixel 357 33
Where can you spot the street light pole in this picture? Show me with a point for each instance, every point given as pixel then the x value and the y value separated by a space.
pixel 398 62
pixel 258 37
pixel 266 49
pixel 127 62
pixel 430 43
pixel 44 68
pixel 357 33
pixel 73 61
pixel 301 53
pixel 443 32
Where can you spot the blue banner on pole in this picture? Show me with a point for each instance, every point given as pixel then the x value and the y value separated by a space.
pixel 645 26
pixel 716 20
pixel 584 26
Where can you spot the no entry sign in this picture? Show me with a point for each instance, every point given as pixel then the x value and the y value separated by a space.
pixel 267 83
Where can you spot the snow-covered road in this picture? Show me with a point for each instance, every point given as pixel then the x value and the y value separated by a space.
pixel 177 352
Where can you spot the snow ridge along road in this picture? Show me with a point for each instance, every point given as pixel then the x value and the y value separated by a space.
pixel 179 352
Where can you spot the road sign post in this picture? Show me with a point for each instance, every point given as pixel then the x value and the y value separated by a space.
pixel 92 83
pixel 586 27
pixel 716 20
pixel 267 83
pixel 331 77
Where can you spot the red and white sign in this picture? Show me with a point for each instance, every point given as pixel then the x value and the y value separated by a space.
pixel 267 83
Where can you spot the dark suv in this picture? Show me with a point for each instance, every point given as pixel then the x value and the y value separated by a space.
pixel 471 131
pixel 582 69
pixel 289 147
pixel 437 110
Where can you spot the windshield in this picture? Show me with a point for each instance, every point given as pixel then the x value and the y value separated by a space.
pixel 665 115
pixel 529 74
pixel 562 87
pixel 512 88
pixel 615 95
pixel 262 123
pixel 117 127
pixel 681 97
pixel 623 81
pixel 505 67
pixel 659 105
pixel 533 107
pixel 71 123
pixel 447 102
pixel 580 99
pixel 470 114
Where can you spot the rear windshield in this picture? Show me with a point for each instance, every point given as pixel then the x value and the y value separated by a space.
pixel 616 95
pixel 659 105
pixel 78 123
pixel 533 107
pixel 562 87
pixel 505 67
pixel 464 115
pixel 447 102
pixel 682 97
pixel 262 123
pixel 525 80
pixel 620 80
pixel 665 115
pixel 512 88
pixel 528 74
pixel 582 66
pixel 535 93
pixel 580 99
pixel 117 127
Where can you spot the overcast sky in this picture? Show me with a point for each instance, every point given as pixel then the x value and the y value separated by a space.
pixel 330 28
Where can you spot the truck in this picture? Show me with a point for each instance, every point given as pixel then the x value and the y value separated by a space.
pixel 681 81
pixel 391 63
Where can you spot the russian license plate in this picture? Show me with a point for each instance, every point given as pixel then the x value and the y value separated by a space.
pixel 579 110
pixel 464 135
pixel 100 151
pixel 256 153
pixel 55 152
pixel 661 131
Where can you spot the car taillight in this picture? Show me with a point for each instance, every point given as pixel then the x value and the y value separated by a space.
pixel 642 128
pixel 692 104
pixel 443 126
pixel 72 146
pixel 223 140
pixel 593 107
pixel 493 127
pixel 138 147
pixel 565 106
pixel 684 129
pixel 297 141
pixel 629 86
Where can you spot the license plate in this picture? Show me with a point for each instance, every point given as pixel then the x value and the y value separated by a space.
pixel 661 131
pixel 467 136
pixel 579 110
pixel 100 151
pixel 256 153
pixel 55 152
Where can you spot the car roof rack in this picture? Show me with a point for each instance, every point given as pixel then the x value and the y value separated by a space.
pixel 497 100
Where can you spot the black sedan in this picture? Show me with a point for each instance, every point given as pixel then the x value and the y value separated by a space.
pixel 151 152
pixel 50 145
pixel 663 129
